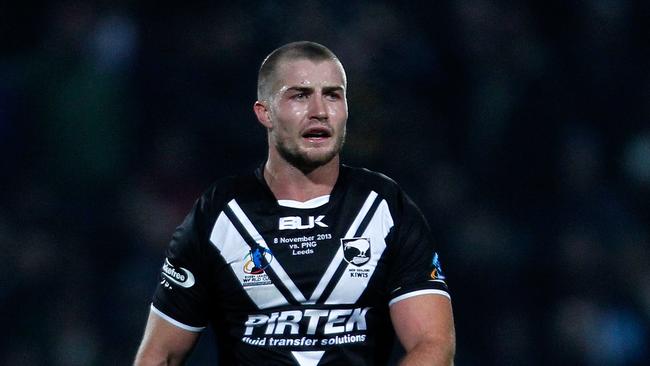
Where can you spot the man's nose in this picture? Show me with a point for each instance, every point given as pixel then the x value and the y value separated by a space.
pixel 317 108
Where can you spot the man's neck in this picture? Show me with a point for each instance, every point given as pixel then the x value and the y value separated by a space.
pixel 287 182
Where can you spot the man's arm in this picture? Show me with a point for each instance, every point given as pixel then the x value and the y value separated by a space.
pixel 164 343
pixel 425 326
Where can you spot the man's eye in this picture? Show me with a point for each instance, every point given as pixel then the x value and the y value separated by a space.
pixel 333 96
pixel 299 96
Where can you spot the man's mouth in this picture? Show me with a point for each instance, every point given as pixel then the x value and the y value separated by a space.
pixel 317 134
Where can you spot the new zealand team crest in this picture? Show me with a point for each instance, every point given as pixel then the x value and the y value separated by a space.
pixel 356 250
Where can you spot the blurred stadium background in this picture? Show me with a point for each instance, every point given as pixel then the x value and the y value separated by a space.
pixel 521 129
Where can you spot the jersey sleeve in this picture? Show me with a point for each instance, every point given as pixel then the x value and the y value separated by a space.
pixel 416 268
pixel 181 296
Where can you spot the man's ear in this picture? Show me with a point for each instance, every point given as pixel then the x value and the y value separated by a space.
pixel 263 114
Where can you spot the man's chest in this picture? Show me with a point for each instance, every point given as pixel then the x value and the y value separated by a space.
pixel 284 257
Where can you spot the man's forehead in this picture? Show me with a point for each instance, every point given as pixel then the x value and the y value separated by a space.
pixel 306 72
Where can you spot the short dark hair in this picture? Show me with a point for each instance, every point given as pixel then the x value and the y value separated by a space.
pixel 296 50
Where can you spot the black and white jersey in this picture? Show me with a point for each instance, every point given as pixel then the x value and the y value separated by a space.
pixel 298 283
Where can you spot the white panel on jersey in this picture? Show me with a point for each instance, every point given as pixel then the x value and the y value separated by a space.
pixel 312 203
pixel 228 240
pixel 308 358
pixel 349 289
pixel 233 249
pixel 275 265
pixel 338 257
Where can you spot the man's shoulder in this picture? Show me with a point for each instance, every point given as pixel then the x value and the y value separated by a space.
pixel 363 180
pixel 225 189
pixel 371 179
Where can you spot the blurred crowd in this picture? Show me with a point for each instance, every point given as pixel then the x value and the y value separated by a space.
pixel 520 129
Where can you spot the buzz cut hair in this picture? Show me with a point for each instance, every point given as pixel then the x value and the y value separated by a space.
pixel 291 51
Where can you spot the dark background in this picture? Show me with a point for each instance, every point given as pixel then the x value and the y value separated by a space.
pixel 521 129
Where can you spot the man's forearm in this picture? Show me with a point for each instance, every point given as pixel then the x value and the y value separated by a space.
pixel 149 360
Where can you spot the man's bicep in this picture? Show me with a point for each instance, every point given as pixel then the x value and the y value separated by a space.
pixel 164 343
pixel 423 318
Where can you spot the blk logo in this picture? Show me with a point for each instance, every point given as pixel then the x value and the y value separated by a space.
pixel 296 222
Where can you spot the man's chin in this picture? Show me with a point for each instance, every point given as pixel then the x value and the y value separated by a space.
pixel 309 161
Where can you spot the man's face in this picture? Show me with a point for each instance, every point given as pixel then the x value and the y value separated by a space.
pixel 308 112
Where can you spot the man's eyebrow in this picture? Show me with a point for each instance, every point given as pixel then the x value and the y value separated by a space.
pixel 309 89
pixel 301 89
pixel 329 89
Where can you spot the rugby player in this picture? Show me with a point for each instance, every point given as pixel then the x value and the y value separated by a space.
pixel 305 261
